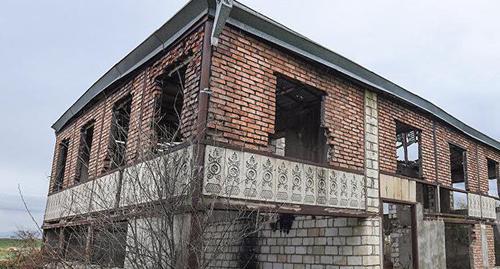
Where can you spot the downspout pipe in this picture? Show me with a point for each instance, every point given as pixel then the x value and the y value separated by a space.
pixel 223 9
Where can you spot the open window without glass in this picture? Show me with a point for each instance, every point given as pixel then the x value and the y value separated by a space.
pixel 299 130
pixel 109 244
pixel 61 165
pixel 169 108
pixel 86 137
pixel 119 132
pixel 458 166
pixel 453 202
pixel 492 178
pixel 408 150
pixel 427 196
pixel 75 239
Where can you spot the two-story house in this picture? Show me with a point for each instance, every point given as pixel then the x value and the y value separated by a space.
pixel 353 170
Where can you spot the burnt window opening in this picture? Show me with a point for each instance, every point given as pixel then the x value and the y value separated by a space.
pixel 119 132
pixel 109 244
pixel 453 202
pixel 299 132
pixel 458 166
pixel 408 150
pixel 61 165
pixel 169 108
pixel 492 178
pixel 75 241
pixel 86 138
pixel 427 196
pixel 283 223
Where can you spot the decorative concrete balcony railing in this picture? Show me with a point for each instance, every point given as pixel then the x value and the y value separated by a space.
pixel 228 174
pixel 83 198
pixel 480 206
pixel 137 184
pixel 249 176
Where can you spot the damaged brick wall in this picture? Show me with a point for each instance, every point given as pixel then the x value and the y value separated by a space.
pixel 242 106
pixel 141 86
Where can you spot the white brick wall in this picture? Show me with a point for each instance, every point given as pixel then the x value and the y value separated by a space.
pixel 321 243
pixel 371 152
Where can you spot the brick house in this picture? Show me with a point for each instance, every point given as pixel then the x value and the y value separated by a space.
pixel 371 175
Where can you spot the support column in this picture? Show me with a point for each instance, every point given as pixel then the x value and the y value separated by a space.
pixel 372 180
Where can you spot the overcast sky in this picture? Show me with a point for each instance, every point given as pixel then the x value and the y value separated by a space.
pixel 52 51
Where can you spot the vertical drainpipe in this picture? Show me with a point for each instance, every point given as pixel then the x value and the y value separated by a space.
pixel 212 30
pixel 437 198
pixel 199 148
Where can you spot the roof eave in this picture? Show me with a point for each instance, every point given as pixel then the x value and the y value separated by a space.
pixel 259 25
pixel 162 38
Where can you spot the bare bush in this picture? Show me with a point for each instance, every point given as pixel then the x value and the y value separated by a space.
pixel 152 214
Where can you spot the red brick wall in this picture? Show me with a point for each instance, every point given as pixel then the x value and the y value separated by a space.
pixel 476 252
pixel 142 88
pixel 446 135
pixel 491 245
pixel 485 153
pixel 242 106
pixel 476 246
pixel 389 112
pixel 477 170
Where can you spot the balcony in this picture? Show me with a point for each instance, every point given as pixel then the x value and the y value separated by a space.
pixel 134 185
pixel 480 206
pixel 256 177
pixel 83 198
pixel 229 174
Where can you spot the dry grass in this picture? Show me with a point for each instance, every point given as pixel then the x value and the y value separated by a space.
pixel 17 253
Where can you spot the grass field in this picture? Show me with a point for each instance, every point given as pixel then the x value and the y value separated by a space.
pixel 7 245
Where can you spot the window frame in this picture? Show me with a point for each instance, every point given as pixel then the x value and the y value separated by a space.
pixel 83 146
pixel 418 134
pixel 464 164
pixel 62 161
pixel 113 145
pixel 497 174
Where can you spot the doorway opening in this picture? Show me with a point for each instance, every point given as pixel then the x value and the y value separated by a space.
pixel 399 236
pixel 458 239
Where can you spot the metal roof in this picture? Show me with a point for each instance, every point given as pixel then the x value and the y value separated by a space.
pixel 263 27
